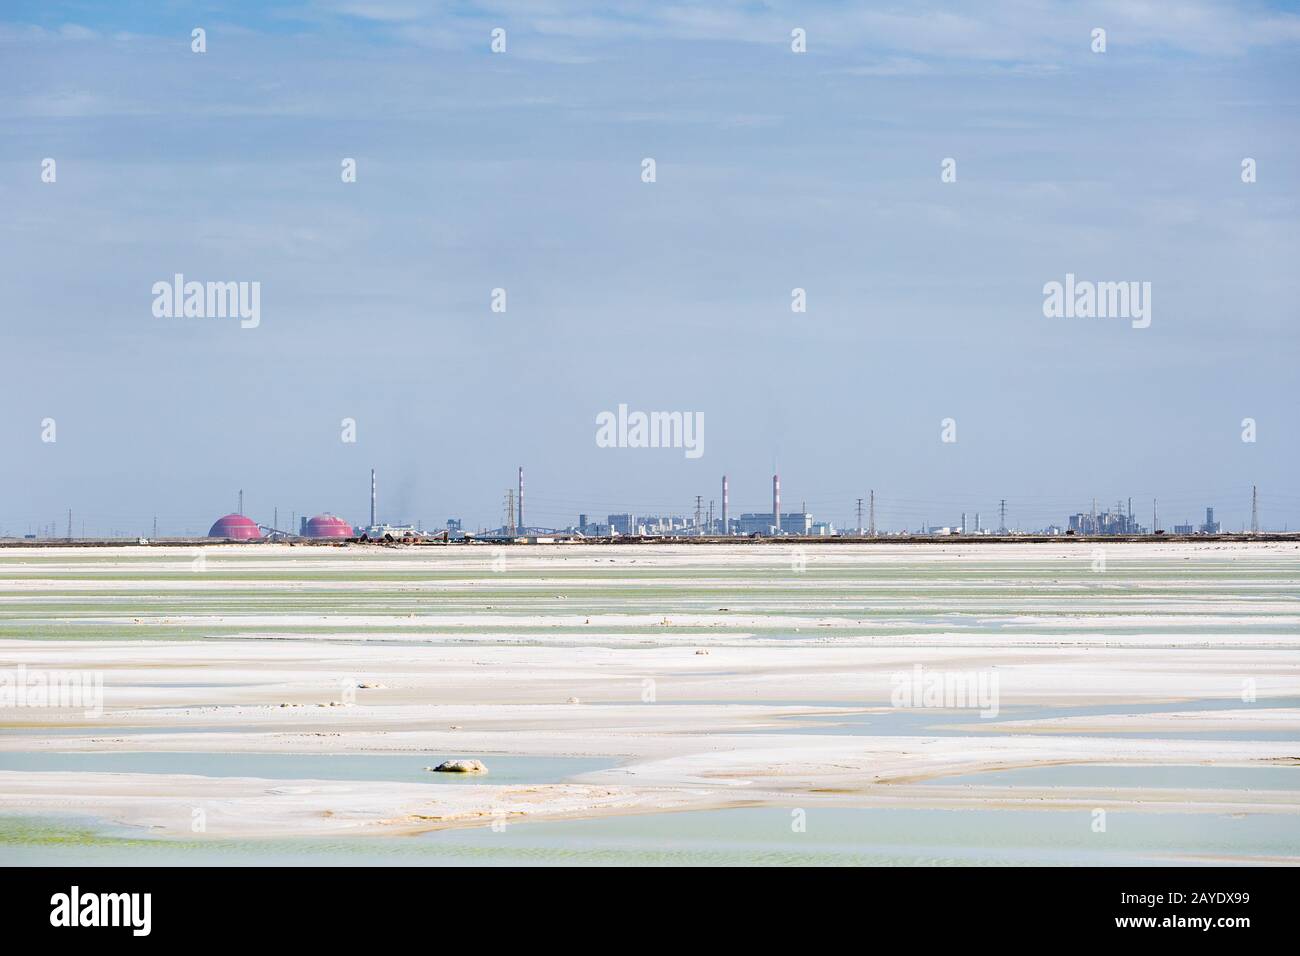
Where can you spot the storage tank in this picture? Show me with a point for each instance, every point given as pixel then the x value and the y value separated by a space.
pixel 328 526
pixel 236 527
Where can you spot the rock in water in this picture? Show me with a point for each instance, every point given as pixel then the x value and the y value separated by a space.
pixel 459 766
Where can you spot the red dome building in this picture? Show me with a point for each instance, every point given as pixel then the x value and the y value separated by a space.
pixel 328 526
pixel 236 527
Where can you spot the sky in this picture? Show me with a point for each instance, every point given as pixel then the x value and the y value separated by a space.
pixel 523 170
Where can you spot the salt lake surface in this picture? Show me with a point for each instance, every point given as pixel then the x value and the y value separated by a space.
pixel 732 704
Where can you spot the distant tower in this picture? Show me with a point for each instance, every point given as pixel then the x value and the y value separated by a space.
pixel 871 513
pixel 977 522
pixel 859 517
pixel 1002 516
pixel 726 503
pixel 372 497
pixel 521 497
pixel 963 522
pixel 776 502
pixel 241 501
pixel 1254 509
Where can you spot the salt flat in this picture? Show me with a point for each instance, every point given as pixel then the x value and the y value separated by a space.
pixel 713 677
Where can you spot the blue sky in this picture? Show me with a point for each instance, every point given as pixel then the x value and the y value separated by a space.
pixel 522 170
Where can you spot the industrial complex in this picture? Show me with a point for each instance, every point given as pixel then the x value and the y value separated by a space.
pixel 707 522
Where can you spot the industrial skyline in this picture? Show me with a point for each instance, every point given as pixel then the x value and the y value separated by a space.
pixel 1036 515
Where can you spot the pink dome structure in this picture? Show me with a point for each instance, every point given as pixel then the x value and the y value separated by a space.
pixel 328 526
pixel 236 527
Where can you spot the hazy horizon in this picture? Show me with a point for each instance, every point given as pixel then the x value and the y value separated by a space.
pixel 522 170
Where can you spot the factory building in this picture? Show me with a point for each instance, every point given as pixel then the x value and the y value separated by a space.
pixel 1210 527
pixel 1105 522
pixel 763 523
pixel 622 524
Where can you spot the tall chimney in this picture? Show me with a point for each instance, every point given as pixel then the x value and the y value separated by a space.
pixel 521 499
pixel 726 500
pixel 776 502
pixel 372 497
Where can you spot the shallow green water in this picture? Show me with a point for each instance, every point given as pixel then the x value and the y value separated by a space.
pixel 407 768
pixel 750 836
pixel 1159 776
pixel 868 600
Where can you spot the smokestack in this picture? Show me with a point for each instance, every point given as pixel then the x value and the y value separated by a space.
pixel 241 501
pixel 776 502
pixel 726 500
pixel 372 497
pixel 521 499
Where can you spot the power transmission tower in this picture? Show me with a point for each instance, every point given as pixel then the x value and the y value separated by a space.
pixel 510 512
pixel 69 524
pixel 871 514
pixel 1254 509
pixel 699 506
pixel 859 516
pixel 1002 511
